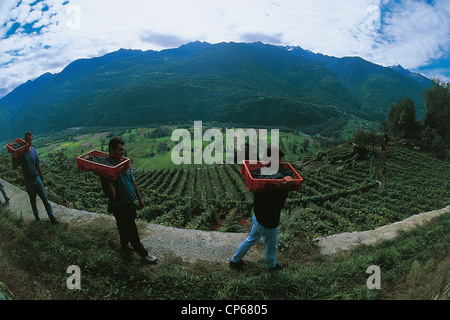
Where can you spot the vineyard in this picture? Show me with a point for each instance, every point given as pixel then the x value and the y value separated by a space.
pixel 340 192
pixel 150 147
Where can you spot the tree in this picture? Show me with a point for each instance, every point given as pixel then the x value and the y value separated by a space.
pixel 433 141
pixel 365 142
pixel 437 113
pixel 294 148
pixel 401 121
pixel 305 145
pixel 162 146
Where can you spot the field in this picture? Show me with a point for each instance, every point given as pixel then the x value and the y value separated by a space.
pixel 340 193
pixel 149 148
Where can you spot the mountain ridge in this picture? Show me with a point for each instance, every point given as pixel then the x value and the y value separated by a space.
pixel 413 75
pixel 373 85
pixel 248 83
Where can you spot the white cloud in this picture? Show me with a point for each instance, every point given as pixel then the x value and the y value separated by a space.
pixel 417 33
pixel 410 32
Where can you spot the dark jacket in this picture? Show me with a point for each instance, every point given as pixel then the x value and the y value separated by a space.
pixel 268 205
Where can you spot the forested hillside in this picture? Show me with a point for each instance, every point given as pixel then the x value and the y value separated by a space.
pixel 249 84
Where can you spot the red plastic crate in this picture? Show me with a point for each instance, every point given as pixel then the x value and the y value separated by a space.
pixel 19 151
pixel 243 222
pixel 267 184
pixel 102 170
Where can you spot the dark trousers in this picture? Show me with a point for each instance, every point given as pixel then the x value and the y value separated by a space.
pixel 35 187
pixel 125 220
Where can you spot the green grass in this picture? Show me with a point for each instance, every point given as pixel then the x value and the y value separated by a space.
pixel 34 258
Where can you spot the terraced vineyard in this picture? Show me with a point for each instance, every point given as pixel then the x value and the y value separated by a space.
pixel 340 193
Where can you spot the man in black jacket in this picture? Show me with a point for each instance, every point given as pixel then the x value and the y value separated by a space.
pixel 267 205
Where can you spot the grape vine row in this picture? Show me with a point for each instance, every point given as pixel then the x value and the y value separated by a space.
pixel 339 193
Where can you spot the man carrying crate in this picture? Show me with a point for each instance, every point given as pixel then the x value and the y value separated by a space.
pixel 121 193
pixel 267 205
pixel 34 180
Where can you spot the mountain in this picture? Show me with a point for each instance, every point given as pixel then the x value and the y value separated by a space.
pixel 4 120
pixel 413 75
pixel 251 84
pixel 14 102
pixel 375 87
pixel 11 104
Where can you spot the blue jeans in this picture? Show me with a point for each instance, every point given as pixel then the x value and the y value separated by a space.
pixel 2 189
pixel 270 237
pixel 35 187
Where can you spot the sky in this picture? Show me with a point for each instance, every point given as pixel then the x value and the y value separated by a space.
pixel 39 36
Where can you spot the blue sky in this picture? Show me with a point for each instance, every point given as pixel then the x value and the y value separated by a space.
pixel 38 36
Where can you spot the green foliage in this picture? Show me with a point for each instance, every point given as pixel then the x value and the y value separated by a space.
pixel 437 115
pixel 401 120
pixel 366 142
pixel 433 141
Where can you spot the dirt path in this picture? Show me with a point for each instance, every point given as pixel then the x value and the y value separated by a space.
pixel 213 246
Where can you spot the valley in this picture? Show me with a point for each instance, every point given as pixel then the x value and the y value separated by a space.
pixel 150 147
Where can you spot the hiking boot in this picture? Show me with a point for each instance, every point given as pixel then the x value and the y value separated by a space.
pixel 7 199
pixel 237 265
pixel 277 267
pixel 149 259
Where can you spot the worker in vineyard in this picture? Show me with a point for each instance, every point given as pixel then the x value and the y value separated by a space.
pixel 2 189
pixel 34 179
pixel 267 205
pixel 122 194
